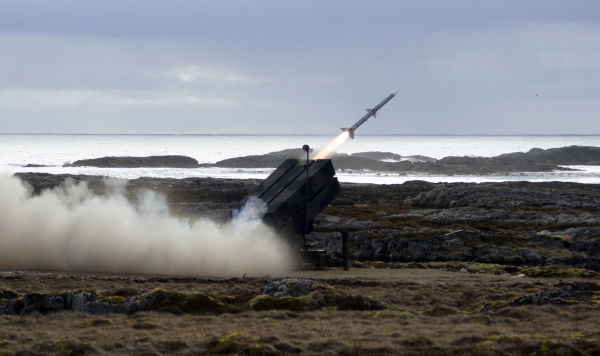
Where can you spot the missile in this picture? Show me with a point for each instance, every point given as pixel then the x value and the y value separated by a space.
pixel 370 112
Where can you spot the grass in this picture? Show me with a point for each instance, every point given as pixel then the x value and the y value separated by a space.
pixel 196 303
pixel 65 347
pixel 489 268
pixel 426 311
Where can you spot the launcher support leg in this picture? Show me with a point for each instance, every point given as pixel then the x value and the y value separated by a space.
pixel 345 249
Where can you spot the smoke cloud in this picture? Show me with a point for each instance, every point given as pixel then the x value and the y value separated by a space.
pixel 71 229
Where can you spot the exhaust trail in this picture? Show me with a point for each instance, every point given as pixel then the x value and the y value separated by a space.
pixel 69 228
pixel 349 131
pixel 332 146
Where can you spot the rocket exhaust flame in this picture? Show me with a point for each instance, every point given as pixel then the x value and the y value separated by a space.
pixel 333 145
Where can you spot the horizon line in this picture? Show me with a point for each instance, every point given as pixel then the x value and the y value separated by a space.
pixel 280 134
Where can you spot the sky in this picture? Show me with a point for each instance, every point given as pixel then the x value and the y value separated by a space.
pixel 299 67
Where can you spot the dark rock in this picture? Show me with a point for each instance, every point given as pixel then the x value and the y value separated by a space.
pixel 421 251
pixel 577 293
pixel 33 302
pixel 530 257
pixel 452 244
pixel 100 307
pixel 53 303
pixel 494 254
pixel 569 155
pixel 78 302
pixel 513 195
pixel 8 294
pixel 12 306
pixel 294 287
pixel 33 165
pixel 134 162
pixel 42 303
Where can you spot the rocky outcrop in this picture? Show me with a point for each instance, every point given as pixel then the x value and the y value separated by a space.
pixel 535 160
pixel 517 223
pixel 288 294
pixel 136 162
pixel 85 302
pixel 576 293
pixel 467 246
pixel 515 195
pixel 569 155
pixel 293 287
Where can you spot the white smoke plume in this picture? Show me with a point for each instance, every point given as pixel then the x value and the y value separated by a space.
pixel 69 228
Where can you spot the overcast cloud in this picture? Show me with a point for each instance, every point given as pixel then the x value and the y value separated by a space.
pixel 461 67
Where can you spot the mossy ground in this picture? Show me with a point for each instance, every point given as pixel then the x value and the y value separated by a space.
pixel 65 347
pixel 490 268
pixel 115 299
pixel 197 303
pixel 7 293
pixel 425 311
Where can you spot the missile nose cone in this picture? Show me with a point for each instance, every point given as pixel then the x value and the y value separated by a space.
pixel 395 92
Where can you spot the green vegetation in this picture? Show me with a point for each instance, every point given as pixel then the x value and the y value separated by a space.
pixel 6 293
pixel 66 347
pixel 504 339
pixel 196 303
pixel 551 348
pixel 265 302
pixel 114 299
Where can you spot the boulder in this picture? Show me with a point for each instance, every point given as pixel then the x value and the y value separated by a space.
pixel 78 301
pixel 53 303
pixel 292 287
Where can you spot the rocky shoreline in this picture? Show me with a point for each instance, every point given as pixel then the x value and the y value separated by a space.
pixel 514 223
pixel 535 160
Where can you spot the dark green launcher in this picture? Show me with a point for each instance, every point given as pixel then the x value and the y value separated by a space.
pixel 292 205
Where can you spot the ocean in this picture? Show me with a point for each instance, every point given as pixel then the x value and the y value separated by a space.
pixel 53 151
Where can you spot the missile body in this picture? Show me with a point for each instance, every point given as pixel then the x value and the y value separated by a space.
pixel 370 112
